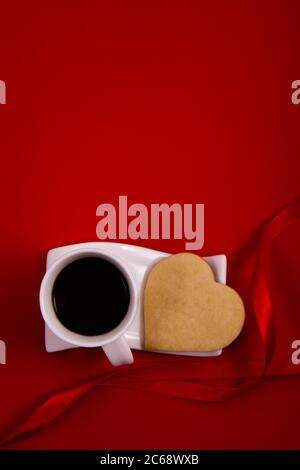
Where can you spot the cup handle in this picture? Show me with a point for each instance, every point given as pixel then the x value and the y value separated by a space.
pixel 118 352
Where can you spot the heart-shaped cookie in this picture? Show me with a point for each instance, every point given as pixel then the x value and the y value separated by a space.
pixel 185 309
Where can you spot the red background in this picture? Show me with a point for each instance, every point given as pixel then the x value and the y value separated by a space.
pixel 165 102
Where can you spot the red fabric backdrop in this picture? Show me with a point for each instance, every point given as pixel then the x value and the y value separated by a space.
pixel 164 102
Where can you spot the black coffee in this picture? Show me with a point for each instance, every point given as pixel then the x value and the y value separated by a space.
pixel 90 296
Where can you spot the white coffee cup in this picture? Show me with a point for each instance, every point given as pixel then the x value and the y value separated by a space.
pixel 113 342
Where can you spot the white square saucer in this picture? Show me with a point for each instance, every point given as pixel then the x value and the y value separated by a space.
pixel 139 261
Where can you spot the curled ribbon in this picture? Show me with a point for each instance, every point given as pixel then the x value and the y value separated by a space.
pixel 180 377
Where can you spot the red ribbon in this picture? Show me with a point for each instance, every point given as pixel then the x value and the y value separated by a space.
pixel 178 376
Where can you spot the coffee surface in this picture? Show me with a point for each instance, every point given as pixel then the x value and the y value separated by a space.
pixel 90 296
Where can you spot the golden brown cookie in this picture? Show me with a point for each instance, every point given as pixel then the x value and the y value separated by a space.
pixel 185 309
